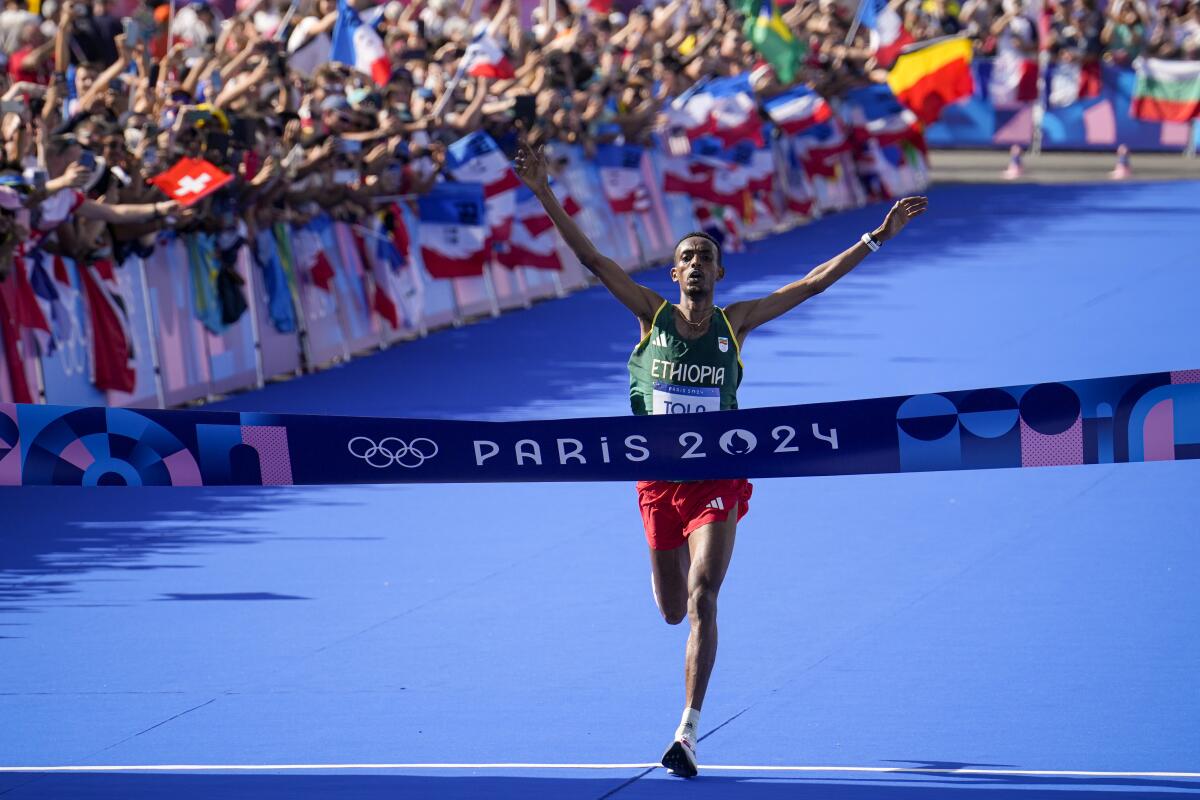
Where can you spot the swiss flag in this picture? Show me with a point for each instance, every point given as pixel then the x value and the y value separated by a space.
pixel 190 180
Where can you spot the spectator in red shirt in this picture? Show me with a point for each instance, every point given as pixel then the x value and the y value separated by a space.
pixel 31 62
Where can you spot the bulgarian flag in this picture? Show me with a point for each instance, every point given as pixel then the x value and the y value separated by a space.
pixel 933 76
pixel 1166 91
pixel 772 38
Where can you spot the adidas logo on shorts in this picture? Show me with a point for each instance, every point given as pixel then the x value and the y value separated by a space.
pixel 718 504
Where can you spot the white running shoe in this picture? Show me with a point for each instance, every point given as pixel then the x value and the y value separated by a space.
pixel 680 758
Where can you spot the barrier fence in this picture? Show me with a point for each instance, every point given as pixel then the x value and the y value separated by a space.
pixel 178 349
pixel 203 315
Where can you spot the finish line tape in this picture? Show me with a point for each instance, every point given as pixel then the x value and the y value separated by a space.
pixel 1150 417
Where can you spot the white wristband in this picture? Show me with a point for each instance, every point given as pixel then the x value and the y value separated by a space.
pixel 870 242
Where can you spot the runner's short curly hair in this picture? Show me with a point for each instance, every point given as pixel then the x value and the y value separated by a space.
pixel 702 235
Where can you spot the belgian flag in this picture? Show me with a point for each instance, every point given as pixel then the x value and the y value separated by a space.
pixel 930 77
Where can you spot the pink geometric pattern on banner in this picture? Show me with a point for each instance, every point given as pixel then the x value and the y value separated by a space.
pixel 1060 449
pixel 274 460
pixel 1158 432
pixel 1100 124
pixel 1175 134
pixel 10 449
pixel 1018 130
pixel 76 453
pixel 183 469
pixel 1186 376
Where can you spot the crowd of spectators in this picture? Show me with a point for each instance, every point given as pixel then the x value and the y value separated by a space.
pixel 100 95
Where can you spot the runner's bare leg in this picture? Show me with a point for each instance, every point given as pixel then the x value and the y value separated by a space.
pixel 711 548
pixel 669 572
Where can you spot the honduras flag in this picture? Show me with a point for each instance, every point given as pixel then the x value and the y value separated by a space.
pixel 358 44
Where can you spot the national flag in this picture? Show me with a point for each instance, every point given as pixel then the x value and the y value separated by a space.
pixel 798 108
pixel 798 194
pixel 375 275
pixel 760 175
pixel 399 273
pixel 358 44
pixel 689 116
pixel 875 113
pixel 476 158
pixel 1072 81
pixel 27 309
pixel 533 217
pixel 819 147
pixel 734 111
pixel 887 32
pixel 10 334
pixel 933 76
pixel 190 180
pixel 55 296
pixel 485 59
pixel 1166 91
pixel 322 273
pixel 112 340
pixel 720 222
pixel 621 177
pixel 687 176
pixel 1014 78
pixel 270 259
pixel 771 37
pixel 453 230
pixel 533 243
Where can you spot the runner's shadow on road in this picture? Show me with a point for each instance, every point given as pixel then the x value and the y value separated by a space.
pixel 54 537
pixel 129 786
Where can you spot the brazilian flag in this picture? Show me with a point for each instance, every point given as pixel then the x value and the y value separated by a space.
pixel 771 37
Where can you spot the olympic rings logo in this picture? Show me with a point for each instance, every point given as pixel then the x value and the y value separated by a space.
pixel 391 450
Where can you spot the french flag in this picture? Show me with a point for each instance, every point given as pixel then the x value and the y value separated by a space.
pixel 476 158
pixel 888 34
pixel 798 108
pixel 357 44
pixel 621 177
pixel 484 59
pixel 453 230
pixel 735 112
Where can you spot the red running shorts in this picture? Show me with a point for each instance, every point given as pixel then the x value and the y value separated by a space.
pixel 672 510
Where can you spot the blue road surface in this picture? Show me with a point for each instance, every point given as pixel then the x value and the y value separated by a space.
pixel 1006 634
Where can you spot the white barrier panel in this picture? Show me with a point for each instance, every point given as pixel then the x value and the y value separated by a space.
pixel 147 392
pixel 181 338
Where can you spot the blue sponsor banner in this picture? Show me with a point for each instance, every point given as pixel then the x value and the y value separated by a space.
pixel 1145 417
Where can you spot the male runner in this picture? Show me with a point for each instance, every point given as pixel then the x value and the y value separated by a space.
pixel 691 525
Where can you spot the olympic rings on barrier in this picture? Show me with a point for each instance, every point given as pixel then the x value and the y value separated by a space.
pixel 409 455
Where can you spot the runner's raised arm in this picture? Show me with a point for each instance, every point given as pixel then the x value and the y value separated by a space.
pixel 643 302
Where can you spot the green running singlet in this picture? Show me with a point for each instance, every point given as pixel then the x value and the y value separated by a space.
pixel 672 375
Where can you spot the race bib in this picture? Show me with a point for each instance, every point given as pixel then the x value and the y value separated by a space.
pixel 670 398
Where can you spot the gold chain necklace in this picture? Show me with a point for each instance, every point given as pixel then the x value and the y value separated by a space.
pixel 696 325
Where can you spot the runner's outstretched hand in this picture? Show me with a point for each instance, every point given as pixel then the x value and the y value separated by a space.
pixel 903 212
pixel 531 166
